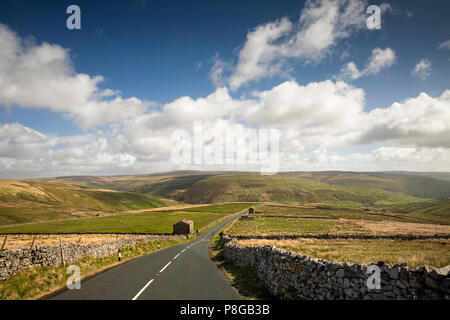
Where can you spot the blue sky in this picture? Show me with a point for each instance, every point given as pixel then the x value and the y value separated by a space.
pixel 159 51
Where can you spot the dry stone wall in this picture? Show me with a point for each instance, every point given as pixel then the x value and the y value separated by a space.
pixel 289 276
pixel 343 237
pixel 13 261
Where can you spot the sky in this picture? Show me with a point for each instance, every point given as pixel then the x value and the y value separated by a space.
pixel 115 96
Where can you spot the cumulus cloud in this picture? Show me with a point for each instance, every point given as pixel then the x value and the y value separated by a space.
pixel 422 69
pixel 380 159
pixel 42 76
pixel 379 60
pixel 25 152
pixel 421 122
pixel 312 109
pixel 321 25
pixel 317 116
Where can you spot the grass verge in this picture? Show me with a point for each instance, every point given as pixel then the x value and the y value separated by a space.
pixel 245 279
pixel 157 222
pixel 35 283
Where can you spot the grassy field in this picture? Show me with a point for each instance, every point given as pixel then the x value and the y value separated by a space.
pixel 438 210
pixel 22 202
pixel 421 252
pixel 264 226
pixel 157 222
pixel 308 220
pixel 335 220
pixel 36 282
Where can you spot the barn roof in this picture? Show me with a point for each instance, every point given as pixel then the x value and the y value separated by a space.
pixel 186 221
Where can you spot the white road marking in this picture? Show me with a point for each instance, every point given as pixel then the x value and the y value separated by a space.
pixel 197 242
pixel 142 290
pixel 165 267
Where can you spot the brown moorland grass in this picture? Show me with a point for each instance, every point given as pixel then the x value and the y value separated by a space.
pixel 434 252
pixel 404 228
pixel 25 241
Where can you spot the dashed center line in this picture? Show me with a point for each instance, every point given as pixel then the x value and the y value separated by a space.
pixel 197 242
pixel 165 267
pixel 142 290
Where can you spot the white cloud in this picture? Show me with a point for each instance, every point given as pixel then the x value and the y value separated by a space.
pixel 421 122
pixel 25 152
pixel 42 76
pixel 256 58
pixel 380 59
pixel 217 71
pixel 380 159
pixel 444 45
pixel 319 105
pixel 322 24
pixel 319 115
pixel 312 116
pixel 422 69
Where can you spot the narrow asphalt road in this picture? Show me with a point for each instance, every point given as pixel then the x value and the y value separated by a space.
pixel 181 272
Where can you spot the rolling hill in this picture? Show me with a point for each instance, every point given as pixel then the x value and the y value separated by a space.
pixel 437 209
pixel 255 187
pixel 431 185
pixel 345 188
pixel 30 201
pixel 422 185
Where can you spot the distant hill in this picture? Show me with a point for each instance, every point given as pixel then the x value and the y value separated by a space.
pixel 422 185
pixel 430 185
pixel 366 188
pixel 255 187
pixel 138 182
pixel 29 201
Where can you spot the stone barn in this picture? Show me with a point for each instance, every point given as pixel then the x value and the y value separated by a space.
pixel 184 226
pixel 252 210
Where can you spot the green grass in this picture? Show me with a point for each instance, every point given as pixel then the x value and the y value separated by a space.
pixel 322 219
pixel 253 187
pixel 282 226
pixel 333 219
pixel 342 212
pixel 244 278
pixel 151 222
pixel 22 202
pixel 33 283
pixel 176 185
pixel 438 210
